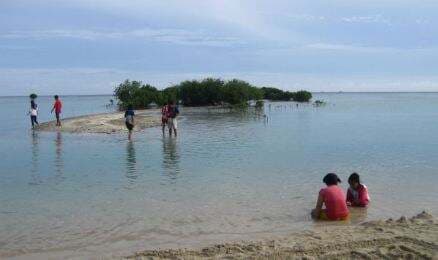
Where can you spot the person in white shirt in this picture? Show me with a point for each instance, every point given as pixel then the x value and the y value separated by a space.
pixel 33 113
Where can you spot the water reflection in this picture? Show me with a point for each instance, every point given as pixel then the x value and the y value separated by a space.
pixel 131 162
pixel 35 178
pixel 171 157
pixel 59 160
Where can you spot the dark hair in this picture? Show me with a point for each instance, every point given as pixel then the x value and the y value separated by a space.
pixel 331 179
pixel 130 107
pixel 354 177
pixel 32 104
pixel 56 96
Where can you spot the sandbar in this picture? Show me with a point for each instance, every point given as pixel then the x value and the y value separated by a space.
pixel 104 123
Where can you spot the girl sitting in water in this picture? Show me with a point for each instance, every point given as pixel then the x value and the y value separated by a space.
pixel 334 200
pixel 357 194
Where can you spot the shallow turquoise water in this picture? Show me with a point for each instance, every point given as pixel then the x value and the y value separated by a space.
pixel 228 176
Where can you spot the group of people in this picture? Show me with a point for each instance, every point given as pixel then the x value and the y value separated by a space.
pixel 33 112
pixel 169 113
pixel 332 204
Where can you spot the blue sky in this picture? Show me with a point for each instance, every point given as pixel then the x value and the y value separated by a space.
pixel 88 47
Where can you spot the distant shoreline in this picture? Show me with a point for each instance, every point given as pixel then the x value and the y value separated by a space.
pixel 103 123
pixel 313 92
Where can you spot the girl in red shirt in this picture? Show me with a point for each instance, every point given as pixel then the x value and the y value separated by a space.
pixel 333 198
pixel 357 194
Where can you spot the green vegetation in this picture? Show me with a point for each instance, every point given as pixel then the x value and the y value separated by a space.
pixel 207 92
pixel 319 103
pixel 277 94
pixel 302 96
pixel 135 94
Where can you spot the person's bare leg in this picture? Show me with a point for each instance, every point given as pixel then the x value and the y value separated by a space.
pixel 58 120
pixel 129 135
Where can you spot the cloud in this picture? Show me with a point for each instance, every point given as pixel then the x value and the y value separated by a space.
pixel 175 36
pixel 102 81
pixel 357 48
pixel 367 19
pixel 344 47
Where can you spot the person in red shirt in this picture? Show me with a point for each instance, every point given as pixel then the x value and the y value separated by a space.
pixel 333 198
pixel 57 106
pixel 357 194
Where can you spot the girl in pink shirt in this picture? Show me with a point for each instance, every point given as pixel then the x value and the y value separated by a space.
pixel 333 198
pixel 357 194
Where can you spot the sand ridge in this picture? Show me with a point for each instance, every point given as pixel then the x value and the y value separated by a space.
pixel 414 238
pixel 104 123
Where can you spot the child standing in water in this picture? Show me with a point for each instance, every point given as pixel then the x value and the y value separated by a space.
pixel 333 198
pixel 57 106
pixel 164 114
pixel 357 194
pixel 33 113
pixel 129 120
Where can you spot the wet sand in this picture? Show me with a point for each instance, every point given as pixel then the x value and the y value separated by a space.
pixel 104 123
pixel 414 238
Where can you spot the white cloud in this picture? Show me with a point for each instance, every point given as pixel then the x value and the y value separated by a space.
pixel 344 47
pixel 103 81
pixel 367 19
pixel 183 37
pixel 357 48
pixel 422 21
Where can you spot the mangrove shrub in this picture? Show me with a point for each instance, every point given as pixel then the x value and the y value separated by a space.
pixel 206 92
pixel 302 96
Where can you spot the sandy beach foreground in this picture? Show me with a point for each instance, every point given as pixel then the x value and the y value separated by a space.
pixel 104 123
pixel 414 238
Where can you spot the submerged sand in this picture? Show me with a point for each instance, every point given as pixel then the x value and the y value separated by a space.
pixel 104 123
pixel 414 238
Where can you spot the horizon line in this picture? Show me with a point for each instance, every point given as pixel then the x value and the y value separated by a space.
pixel 313 92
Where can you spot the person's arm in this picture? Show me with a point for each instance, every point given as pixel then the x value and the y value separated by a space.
pixel 364 198
pixel 350 198
pixel 317 211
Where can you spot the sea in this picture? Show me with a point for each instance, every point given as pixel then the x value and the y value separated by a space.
pixel 229 175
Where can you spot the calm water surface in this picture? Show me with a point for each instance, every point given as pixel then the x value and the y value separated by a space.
pixel 228 176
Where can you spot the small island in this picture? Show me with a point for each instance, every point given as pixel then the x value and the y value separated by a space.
pixel 233 94
pixel 207 92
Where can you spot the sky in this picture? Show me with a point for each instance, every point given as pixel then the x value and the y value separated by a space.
pixel 89 47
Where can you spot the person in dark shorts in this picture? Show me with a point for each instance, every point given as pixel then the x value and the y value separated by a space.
pixel 57 106
pixel 129 120
pixel 33 113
